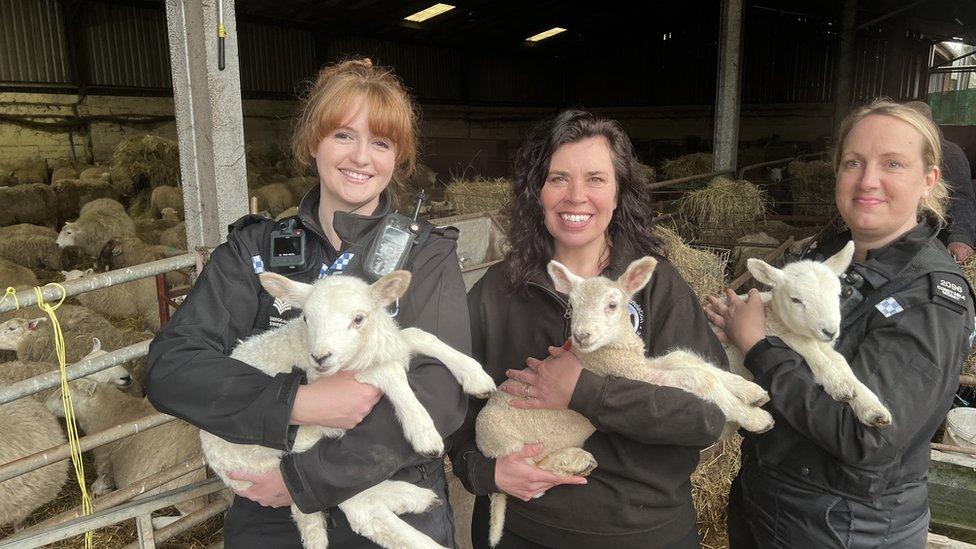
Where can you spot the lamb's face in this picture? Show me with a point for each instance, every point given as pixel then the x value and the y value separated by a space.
pixel 599 314
pixel 68 235
pixel 338 314
pixel 13 331
pixel 76 274
pixel 84 396
pixel 808 300
pixel 116 375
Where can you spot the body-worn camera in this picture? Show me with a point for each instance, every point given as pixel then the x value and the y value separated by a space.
pixel 850 292
pixel 287 245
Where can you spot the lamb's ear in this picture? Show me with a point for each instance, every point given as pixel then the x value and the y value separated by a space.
pixel 89 271
pixel 33 323
pixel 840 261
pixel 389 288
pixel 289 291
pixel 562 278
pixel 764 272
pixel 637 275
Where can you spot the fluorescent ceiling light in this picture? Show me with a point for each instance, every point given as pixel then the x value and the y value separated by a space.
pixel 426 14
pixel 545 34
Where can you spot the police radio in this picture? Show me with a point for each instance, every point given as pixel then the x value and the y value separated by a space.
pixel 389 249
pixel 287 245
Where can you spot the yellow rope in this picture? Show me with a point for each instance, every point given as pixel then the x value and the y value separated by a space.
pixel 10 292
pixel 69 413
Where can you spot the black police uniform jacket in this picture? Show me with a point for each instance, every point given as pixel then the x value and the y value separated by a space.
pixel 191 376
pixel 907 343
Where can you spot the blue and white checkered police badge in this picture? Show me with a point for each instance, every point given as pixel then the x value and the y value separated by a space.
pixel 337 266
pixel 636 315
pixel 889 306
pixel 257 264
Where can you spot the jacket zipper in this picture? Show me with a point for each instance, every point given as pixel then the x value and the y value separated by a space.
pixel 567 315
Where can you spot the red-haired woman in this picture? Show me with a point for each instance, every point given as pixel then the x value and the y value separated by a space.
pixel 356 128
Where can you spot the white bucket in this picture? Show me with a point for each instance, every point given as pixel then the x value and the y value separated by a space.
pixel 961 427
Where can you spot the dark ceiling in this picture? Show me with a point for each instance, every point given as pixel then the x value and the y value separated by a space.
pixel 493 24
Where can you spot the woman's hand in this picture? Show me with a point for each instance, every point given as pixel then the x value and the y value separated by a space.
pixel 546 383
pixel 267 489
pixel 742 322
pixel 337 401
pixel 515 477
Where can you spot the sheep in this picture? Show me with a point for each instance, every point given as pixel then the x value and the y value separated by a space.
pixel 17 370
pixel 27 427
pixel 775 174
pixel 16 276
pixel 299 186
pixel 174 237
pixel 290 212
pixel 803 309
pixel 98 407
pixel 119 253
pixel 95 174
pixel 73 194
pixel 31 251
pixel 76 258
pixel 64 172
pixel 27 229
pixel 275 198
pixel 99 221
pixel 35 341
pixel 31 170
pixel 346 327
pixel 131 299
pixel 163 197
pixel 34 203
pixel 151 230
pixel 605 342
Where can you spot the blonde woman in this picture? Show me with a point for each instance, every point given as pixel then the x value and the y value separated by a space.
pixel 820 478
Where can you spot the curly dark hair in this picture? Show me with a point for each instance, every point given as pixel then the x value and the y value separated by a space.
pixel 632 221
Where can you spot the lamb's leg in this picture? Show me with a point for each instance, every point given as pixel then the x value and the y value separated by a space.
pixel 417 424
pixel 311 527
pixel 835 377
pixel 568 462
pixel 372 513
pixel 746 391
pixel 472 377
pixel 866 405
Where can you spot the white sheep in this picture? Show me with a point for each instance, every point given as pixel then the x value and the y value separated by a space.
pixel 27 427
pixel 135 299
pixel 19 370
pixel 97 407
pixel 99 221
pixel 605 342
pixel 345 326
pixel 803 309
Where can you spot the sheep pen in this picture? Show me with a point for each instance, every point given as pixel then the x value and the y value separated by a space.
pixel 478 195
pixel 724 209
pixel 687 165
pixel 812 188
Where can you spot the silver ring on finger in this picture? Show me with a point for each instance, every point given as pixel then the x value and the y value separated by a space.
pixel 527 391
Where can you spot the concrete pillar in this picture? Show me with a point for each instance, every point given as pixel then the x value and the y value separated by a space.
pixel 845 61
pixel 726 139
pixel 209 119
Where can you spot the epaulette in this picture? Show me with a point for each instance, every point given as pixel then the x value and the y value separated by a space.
pixel 249 219
pixel 446 231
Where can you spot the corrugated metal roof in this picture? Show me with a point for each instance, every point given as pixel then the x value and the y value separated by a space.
pixel 32 42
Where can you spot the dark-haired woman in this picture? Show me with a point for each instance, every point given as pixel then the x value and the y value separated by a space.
pixel 580 198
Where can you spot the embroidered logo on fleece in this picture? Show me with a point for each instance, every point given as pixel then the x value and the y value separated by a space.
pixel 636 315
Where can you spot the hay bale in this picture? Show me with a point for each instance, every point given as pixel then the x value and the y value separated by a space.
pixel 710 485
pixel 147 161
pixel 752 245
pixel 650 174
pixel 687 165
pixel 724 209
pixel 478 195
pixel 702 270
pixel 812 187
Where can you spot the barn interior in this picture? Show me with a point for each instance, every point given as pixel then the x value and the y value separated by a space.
pixel 731 106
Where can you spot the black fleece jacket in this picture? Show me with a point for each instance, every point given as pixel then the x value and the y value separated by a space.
pixel 648 437
pixel 191 376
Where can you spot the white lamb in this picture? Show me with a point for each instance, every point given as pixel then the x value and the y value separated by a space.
pixel 97 407
pixel 135 299
pixel 605 342
pixel 345 326
pixel 803 309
